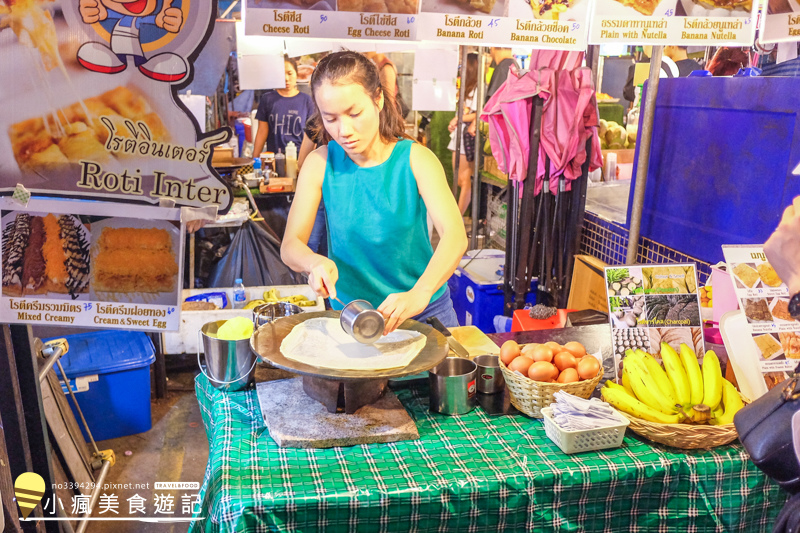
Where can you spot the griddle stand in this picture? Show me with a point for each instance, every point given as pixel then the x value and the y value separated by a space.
pixel 344 396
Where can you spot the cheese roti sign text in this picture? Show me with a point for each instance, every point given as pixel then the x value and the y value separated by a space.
pixel 352 20
pixel 95 112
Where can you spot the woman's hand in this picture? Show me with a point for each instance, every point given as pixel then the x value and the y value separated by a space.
pixel 323 276
pixel 453 123
pixel 399 306
pixel 783 247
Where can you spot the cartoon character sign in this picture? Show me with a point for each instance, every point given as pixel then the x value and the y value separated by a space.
pixel 129 21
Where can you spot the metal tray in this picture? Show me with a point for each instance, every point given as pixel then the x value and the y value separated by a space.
pixel 266 343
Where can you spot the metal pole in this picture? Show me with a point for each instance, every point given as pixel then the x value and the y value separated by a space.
pixel 460 118
pixel 476 176
pixel 597 75
pixel 49 362
pixel 645 136
pixel 101 480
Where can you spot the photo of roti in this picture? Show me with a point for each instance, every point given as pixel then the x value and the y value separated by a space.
pixel 767 345
pixel 768 275
pixel 746 274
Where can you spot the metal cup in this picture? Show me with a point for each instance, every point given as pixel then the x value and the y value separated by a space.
pixel 452 384
pixel 362 321
pixel 490 377
pixel 266 313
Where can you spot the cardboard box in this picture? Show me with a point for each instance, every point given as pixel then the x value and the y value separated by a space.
pixel 588 288
pixel 490 166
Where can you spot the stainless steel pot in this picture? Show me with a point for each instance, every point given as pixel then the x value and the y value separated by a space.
pixel 453 388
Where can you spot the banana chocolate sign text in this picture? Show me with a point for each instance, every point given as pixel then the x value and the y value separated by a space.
pixel 92 108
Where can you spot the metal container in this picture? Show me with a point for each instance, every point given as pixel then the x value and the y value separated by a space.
pixel 266 313
pixel 490 377
pixel 231 364
pixel 362 321
pixel 453 388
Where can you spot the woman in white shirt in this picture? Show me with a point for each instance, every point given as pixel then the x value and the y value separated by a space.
pixel 470 80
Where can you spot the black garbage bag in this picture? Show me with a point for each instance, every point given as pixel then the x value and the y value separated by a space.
pixel 253 256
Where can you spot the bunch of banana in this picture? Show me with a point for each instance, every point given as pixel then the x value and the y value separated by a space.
pixel 680 391
pixel 272 296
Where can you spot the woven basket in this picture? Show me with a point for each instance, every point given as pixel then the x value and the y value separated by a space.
pixel 531 396
pixel 685 436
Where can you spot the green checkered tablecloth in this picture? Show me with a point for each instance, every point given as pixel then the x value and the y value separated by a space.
pixel 467 474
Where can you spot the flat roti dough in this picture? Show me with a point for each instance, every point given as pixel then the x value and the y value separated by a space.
pixel 321 342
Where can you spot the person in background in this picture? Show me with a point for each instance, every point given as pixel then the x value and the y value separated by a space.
pixel 282 114
pixel 378 188
pixel 680 56
pixel 502 59
pixel 388 73
pixel 727 61
pixel 318 240
pixel 470 80
pixel 676 54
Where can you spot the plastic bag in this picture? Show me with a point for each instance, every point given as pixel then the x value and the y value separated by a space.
pixel 253 256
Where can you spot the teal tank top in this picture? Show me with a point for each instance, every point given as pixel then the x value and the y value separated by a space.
pixel 377 225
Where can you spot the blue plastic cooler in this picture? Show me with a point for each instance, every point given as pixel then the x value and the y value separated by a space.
pixel 476 290
pixel 110 374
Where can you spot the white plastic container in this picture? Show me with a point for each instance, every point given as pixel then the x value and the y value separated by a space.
pixel 291 160
pixel 185 339
pixel 586 439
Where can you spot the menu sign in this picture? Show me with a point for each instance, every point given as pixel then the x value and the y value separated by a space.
pixel 781 22
pixel 538 23
pixel 764 298
pixel 77 264
pixel 91 109
pixel 333 19
pixel 651 304
pixel 673 22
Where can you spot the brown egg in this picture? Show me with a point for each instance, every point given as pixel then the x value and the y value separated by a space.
pixel 554 346
pixel 564 360
pixel 542 371
pixel 569 375
pixel 542 353
pixel 588 367
pixel 527 349
pixel 508 351
pixel 575 348
pixel 521 364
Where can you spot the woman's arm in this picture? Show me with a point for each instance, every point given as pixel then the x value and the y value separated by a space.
pixel 447 220
pixel 306 147
pixel 261 137
pixel 388 77
pixel 295 253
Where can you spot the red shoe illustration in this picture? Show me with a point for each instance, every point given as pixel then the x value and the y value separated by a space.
pixel 97 57
pixel 165 67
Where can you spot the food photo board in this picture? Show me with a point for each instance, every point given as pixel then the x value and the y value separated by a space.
pixel 91 114
pixel 651 304
pixel 395 20
pixel 780 22
pixel 76 264
pixel 554 24
pixel 674 22
pixel 764 299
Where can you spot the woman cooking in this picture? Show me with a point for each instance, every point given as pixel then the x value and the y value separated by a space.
pixel 378 189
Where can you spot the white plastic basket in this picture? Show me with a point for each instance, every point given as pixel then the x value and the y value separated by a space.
pixel 586 439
